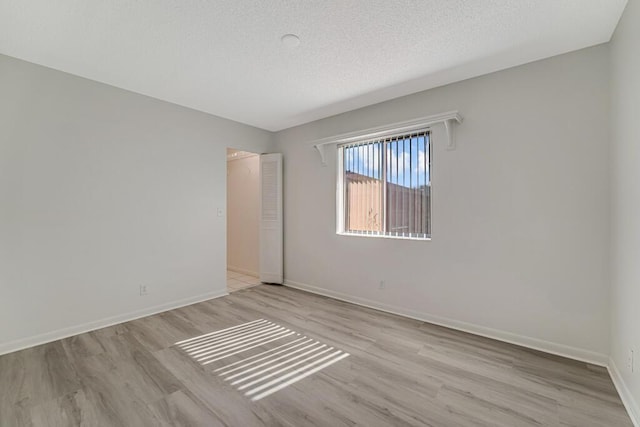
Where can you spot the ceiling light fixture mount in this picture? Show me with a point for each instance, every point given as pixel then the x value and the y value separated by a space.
pixel 290 40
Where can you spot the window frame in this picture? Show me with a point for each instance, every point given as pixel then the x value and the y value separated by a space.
pixel 340 183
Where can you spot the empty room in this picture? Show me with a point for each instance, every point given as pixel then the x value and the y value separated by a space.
pixel 320 213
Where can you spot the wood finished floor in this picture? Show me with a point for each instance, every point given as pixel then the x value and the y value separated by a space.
pixel 399 372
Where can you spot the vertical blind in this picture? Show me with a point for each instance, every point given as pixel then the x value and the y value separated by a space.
pixel 387 186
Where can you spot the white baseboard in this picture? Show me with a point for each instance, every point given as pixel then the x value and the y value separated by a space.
pixel 627 398
pixel 575 353
pixel 33 341
pixel 242 271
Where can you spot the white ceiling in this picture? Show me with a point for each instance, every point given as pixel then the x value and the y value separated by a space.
pixel 225 56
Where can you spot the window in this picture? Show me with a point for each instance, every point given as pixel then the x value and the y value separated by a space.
pixel 385 187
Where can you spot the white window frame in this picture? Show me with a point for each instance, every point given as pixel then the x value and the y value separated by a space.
pixel 340 185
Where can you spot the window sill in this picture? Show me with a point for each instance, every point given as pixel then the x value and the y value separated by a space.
pixel 380 236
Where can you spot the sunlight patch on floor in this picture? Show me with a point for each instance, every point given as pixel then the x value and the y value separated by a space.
pixel 292 358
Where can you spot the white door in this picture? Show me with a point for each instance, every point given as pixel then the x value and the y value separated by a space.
pixel 271 225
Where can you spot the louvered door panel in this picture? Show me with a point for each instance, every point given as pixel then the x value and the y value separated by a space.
pixel 271 225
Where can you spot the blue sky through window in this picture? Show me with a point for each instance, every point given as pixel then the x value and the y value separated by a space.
pixel 407 160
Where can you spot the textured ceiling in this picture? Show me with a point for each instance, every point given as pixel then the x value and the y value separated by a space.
pixel 225 57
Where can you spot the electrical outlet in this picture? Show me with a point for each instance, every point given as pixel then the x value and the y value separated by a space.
pixel 143 290
pixel 630 361
pixel 382 284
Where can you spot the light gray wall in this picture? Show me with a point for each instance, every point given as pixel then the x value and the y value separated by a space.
pixel 520 210
pixel 625 247
pixel 243 211
pixel 101 191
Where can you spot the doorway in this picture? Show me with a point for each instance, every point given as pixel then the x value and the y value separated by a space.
pixel 243 219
